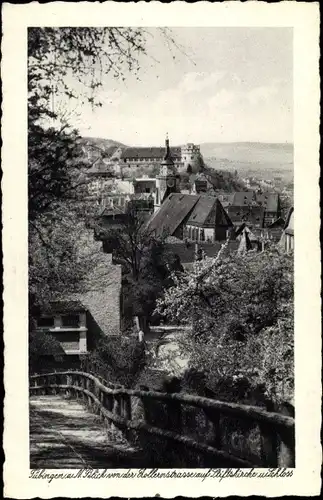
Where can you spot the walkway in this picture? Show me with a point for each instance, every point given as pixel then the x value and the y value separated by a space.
pixel 63 435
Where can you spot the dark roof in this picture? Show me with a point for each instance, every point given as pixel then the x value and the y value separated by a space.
pixel 290 222
pixel 99 167
pixel 195 209
pixel 240 229
pixel 242 198
pixel 270 201
pixel 209 211
pixel 101 293
pixel 289 217
pixel 253 214
pixel 64 306
pixel 187 253
pixel 280 222
pixel 172 213
pixel 153 152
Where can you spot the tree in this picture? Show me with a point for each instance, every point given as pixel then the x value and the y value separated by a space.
pixel 241 312
pixel 117 359
pixel 222 180
pixel 147 264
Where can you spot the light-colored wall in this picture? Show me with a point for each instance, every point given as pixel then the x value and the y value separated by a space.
pixel 83 341
pixel 125 186
pixel 208 233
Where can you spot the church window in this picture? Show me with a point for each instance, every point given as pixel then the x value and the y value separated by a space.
pixel 202 235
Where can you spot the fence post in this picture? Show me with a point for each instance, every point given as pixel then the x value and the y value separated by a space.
pixel 68 382
pixel 269 444
pixel 173 422
pixel 126 413
pixel 215 418
pixel 173 407
pixel 144 405
pixel 286 452
pixel 286 448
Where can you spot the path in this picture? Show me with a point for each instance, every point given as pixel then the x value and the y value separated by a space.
pixel 64 434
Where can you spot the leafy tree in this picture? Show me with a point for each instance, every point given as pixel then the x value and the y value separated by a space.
pixel 223 180
pixel 147 264
pixel 42 344
pixel 241 312
pixel 117 359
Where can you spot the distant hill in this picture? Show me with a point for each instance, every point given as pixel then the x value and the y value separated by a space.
pixel 252 152
pixel 99 142
pixel 98 147
pixel 265 160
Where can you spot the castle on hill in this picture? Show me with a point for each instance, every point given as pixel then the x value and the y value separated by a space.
pixel 185 158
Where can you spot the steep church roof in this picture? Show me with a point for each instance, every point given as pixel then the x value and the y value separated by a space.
pixel 198 210
pixel 209 212
pixel 172 213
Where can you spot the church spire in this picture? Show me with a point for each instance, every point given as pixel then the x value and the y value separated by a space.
pixel 168 160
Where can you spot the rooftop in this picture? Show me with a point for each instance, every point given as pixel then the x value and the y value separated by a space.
pixel 193 209
pixel 150 152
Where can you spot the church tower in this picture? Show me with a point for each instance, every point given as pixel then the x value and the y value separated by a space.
pixel 167 180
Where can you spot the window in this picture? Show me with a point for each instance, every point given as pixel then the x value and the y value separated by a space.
pixel 45 321
pixel 202 235
pixel 71 320
pixel 147 190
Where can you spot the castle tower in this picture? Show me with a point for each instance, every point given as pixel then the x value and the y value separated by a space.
pixel 167 180
pixel 191 158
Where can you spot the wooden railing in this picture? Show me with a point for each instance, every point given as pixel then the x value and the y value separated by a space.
pixel 115 404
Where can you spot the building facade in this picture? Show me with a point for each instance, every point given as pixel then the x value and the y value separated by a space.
pixel 66 322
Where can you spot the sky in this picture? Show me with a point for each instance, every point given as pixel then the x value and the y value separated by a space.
pixel 226 85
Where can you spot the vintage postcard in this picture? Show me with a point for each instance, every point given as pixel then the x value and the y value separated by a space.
pixel 161 249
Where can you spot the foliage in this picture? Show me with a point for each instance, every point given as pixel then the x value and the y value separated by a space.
pixel 42 344
pixel 140 171
pixel 222 180
pixel 118 359
pixel 61 254
pixel 241 310
pixel 147 264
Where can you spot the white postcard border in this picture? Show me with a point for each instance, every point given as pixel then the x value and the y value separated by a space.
pixel 304 18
